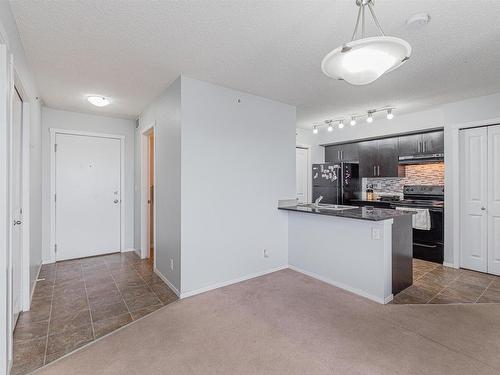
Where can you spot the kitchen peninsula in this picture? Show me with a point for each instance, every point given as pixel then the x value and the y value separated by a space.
pixel 365 250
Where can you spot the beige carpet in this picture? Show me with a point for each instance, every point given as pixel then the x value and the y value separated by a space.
pixel 288 323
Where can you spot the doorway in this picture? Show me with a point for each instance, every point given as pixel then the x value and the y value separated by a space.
pixel 87 182
pixel 148 202
pixel 16 205
pixel 480 199
pixel 151 182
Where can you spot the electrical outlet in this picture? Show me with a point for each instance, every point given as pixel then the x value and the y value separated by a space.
pixel 375 234
pixel 266 255
pixel 171 264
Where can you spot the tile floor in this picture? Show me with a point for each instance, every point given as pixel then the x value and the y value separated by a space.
pixel 437 284
pixel 81 300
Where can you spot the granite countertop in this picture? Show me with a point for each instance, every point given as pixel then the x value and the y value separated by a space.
pixel 361 213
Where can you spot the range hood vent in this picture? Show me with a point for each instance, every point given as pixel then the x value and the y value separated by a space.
pixel 421 159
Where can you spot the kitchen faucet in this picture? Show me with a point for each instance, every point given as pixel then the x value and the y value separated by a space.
pixel 316 202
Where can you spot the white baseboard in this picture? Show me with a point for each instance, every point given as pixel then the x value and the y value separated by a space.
pixel 50 261
pixel 229 282
pixel 32 291
pixel 452 265
pixel 343 286
pixel 128 250
pixel 166 281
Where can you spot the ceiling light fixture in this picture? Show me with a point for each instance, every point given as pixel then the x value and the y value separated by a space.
pixel 362 61
pixel 342 120
pixel 98 101
pixel 369 119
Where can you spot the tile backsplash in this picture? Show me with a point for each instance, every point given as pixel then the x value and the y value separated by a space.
pixel 416 174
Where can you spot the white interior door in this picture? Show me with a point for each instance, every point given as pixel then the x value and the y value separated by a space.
pixel 302 173
pixel 493 208
pixel 87 201
pixel 474 197
pixel 16 213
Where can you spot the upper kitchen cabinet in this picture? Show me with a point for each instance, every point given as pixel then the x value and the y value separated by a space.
pixel 410 144
pixel 368 158
pixel 388 162
pixel 341 153
pixel 433 143
pixel 426 143
pixel 379 158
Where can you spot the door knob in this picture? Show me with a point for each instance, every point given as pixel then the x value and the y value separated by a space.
pixel 115 201
pixel 483 208
pixel 17 222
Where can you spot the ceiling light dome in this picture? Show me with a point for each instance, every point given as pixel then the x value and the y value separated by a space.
pixel 362 61
pixel 98 101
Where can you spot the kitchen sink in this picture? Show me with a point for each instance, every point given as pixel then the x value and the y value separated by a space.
pixel 333 207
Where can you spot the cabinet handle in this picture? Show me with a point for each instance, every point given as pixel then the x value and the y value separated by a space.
pixel 342 154
pixel 374 171
pixel 378 170
pixel 338 154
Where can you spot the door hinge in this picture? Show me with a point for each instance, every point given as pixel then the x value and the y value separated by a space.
pixel 55 147
pixel 55 248
pixel 55 197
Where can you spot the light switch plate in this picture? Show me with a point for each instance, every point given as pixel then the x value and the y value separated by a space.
pixel 375 234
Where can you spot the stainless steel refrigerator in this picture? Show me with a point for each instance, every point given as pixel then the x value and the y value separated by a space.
pixel 337 183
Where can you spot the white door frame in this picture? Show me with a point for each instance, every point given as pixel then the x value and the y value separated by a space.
pixel 452 183
pixel 6 85
pixel 309 170
pixel 26 291
pixel 53 133
pixel 144 155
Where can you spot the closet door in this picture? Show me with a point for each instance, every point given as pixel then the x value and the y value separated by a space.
pixel 494 200
pixel 474 199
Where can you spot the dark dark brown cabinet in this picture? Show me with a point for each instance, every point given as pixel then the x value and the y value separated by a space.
pixel 347 152
pixel 426 143
pixel 368 158
pixel 379 158
pixel 433 143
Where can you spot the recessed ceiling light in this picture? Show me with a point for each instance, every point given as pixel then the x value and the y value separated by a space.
pixel 98 101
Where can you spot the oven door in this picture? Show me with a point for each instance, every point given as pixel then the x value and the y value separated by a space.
pixel 429 244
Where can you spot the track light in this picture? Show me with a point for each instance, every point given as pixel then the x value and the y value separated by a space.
pixel 315 129
pixel 390 115
pixel 330 126
pixel 341 124
pixel 353 121
pixel 369 119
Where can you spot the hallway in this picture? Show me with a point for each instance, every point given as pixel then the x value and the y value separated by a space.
pixel 81 300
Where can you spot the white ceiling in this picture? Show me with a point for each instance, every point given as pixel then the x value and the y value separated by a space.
pixel 131 51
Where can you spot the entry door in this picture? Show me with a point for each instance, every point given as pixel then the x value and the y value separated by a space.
pixel 302 169
pixel 474 197
pixel 87 196
pixel 493 207
pixel 16 213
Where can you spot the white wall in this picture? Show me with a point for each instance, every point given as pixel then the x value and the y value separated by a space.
pixel 165 113
pixel 305 137
pixel 238 160
pixel 9 36
pixel 53 118
pixel 35 191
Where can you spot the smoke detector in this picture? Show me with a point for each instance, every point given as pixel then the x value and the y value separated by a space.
pixel 418 19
